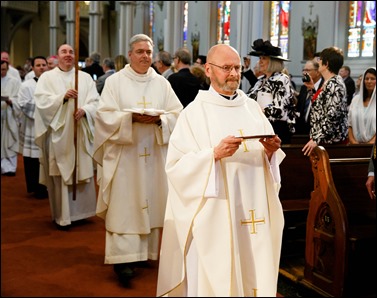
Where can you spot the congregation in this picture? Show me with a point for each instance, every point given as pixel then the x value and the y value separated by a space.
pixel 146 126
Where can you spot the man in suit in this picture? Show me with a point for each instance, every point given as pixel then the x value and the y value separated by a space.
pixel 95 69
pixel 163 64
pixel 345 73
pixel 185 85
pixel 108 68
pixel 308 89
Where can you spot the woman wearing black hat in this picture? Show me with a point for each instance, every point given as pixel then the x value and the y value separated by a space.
pixel 273 91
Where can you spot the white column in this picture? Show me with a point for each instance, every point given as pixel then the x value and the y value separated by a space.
pixel 95 22
pixel 168 27
pixel 125 25
pixel 70 20
pixel 178 25
pixel 54 26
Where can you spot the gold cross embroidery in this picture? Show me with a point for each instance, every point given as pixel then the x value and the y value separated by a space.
pixel 145 155
pixel 245 149
pixel 252 221
pixel 144 103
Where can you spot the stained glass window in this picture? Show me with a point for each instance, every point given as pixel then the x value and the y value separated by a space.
pixel 223 22
pixel 362 29
pixel 279 26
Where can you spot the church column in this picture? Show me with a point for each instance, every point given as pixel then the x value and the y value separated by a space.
pixel 125 25
pixel 70 20
pixel 142 17
pixel 173 26
pixel 179 7
pixel 168 27
pixel 95 22
pixel 54 26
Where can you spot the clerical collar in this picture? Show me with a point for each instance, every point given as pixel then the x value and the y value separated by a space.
pixel 229 97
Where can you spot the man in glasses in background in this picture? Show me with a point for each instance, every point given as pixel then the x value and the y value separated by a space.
pixel 308 89
pixel 184 83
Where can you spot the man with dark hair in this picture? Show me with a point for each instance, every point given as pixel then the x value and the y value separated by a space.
pixel 28 148
pixel 345 73
pixel 184 83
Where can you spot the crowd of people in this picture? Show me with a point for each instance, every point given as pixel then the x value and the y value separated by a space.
pixel 162 150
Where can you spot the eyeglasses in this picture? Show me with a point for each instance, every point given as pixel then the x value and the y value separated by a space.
pixel 306 69
pixel 228 68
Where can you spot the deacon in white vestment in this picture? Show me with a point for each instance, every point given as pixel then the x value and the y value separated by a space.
pixel 29 150
pixel 9 124
pixel 54 134
pixel 136 115
pixel 224 221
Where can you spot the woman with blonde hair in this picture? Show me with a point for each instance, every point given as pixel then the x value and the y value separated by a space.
pixel 120 61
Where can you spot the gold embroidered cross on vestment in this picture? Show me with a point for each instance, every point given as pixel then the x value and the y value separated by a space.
pixel 252 221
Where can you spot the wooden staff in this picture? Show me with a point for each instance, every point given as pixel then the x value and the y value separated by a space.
pixel 77 53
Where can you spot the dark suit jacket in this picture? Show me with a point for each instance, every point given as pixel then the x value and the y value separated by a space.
pixel 94 69
pixel 351 87
pixel 303 127
pixel 185 85
pixel 250 76
pixel 100 83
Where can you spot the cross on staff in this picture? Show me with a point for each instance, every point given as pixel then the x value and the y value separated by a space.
pixel 144 103
pixel 252 221
pixel 145 155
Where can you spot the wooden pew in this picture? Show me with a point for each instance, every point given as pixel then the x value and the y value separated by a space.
pixel 341 224
pixel 296 186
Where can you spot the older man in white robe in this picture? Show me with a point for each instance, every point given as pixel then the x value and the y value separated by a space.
pixel 9 123
pixel 224 221
pixel 55 116
pixel 136 115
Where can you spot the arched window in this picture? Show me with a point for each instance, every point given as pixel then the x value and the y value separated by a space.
pixel 279 31
pixel 362 29
pixel 223 22
pixel 185 23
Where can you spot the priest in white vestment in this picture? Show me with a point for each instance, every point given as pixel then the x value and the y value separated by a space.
pixel 29 150
pixel 224 221
pixel 9 123
pixel 136 115
pixel 55 116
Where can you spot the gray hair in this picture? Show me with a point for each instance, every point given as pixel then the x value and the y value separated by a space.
pixel 140 37
pixel 109 63
pixel 275 65
pixel 165 58
pixel 96 57
pixel 184 55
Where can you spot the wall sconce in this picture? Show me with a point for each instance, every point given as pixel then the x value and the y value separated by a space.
pixel 87 2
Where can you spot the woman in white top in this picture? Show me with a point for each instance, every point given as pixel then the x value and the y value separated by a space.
pixel 362 113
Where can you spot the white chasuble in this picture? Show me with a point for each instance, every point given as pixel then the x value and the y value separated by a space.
pixel 133 186
pixel 54 135
pixel 227 243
